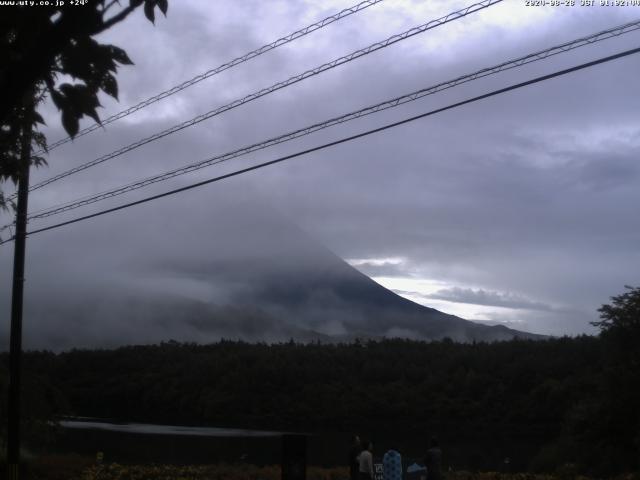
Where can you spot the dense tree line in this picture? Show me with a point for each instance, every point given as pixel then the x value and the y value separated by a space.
pixel 541 393
pixel 396 382
pixel 564 400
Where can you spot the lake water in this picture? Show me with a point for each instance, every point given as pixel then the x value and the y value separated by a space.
pixel 153 429
pixel 154 443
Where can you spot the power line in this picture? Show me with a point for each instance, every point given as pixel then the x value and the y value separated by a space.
pixel 343 140
pixel 530 58
pixel 219 69
pixel 277 86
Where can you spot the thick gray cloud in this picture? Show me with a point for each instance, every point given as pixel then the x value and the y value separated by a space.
pixel 530 195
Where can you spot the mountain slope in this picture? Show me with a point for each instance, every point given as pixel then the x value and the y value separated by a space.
pixel 243 273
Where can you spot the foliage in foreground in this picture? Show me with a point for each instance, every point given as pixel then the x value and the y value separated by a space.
pixel 250 472
pixel 51 51
pixel 200 472
pixel 188 472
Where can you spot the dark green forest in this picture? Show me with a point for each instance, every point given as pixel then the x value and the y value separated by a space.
pixel 560 401
pixel 549 395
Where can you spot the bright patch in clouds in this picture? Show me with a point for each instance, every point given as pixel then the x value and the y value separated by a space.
pixel 419 290
pixel 375 262
pixel 468 303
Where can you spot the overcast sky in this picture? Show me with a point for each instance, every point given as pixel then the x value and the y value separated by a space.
pixel 520 209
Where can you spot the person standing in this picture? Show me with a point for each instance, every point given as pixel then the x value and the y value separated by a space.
pixel 433 460
pixel 354 460
pixel 365 468
pixel 392 465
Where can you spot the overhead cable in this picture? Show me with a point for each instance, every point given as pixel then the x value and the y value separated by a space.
pixel 277 86
pixel 219 69
pixel 530 58
pixel 340 141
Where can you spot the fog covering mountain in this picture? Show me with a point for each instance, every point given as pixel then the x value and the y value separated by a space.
pixel 241 271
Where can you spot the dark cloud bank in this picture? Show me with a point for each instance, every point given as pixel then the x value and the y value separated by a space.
pixel 527 201
pixel 239 271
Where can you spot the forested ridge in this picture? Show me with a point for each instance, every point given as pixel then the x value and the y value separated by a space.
pixel 551 395
pixel 326 386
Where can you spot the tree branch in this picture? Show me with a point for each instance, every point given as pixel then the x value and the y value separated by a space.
pixel 113 2
pixel 115 19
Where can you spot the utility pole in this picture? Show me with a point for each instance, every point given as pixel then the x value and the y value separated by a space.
pixel 15 349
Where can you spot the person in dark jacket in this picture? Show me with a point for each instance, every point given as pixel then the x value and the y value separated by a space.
pixel 354 457
pixel 433 460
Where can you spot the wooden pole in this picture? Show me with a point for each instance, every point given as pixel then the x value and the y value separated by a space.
pixel 15 348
